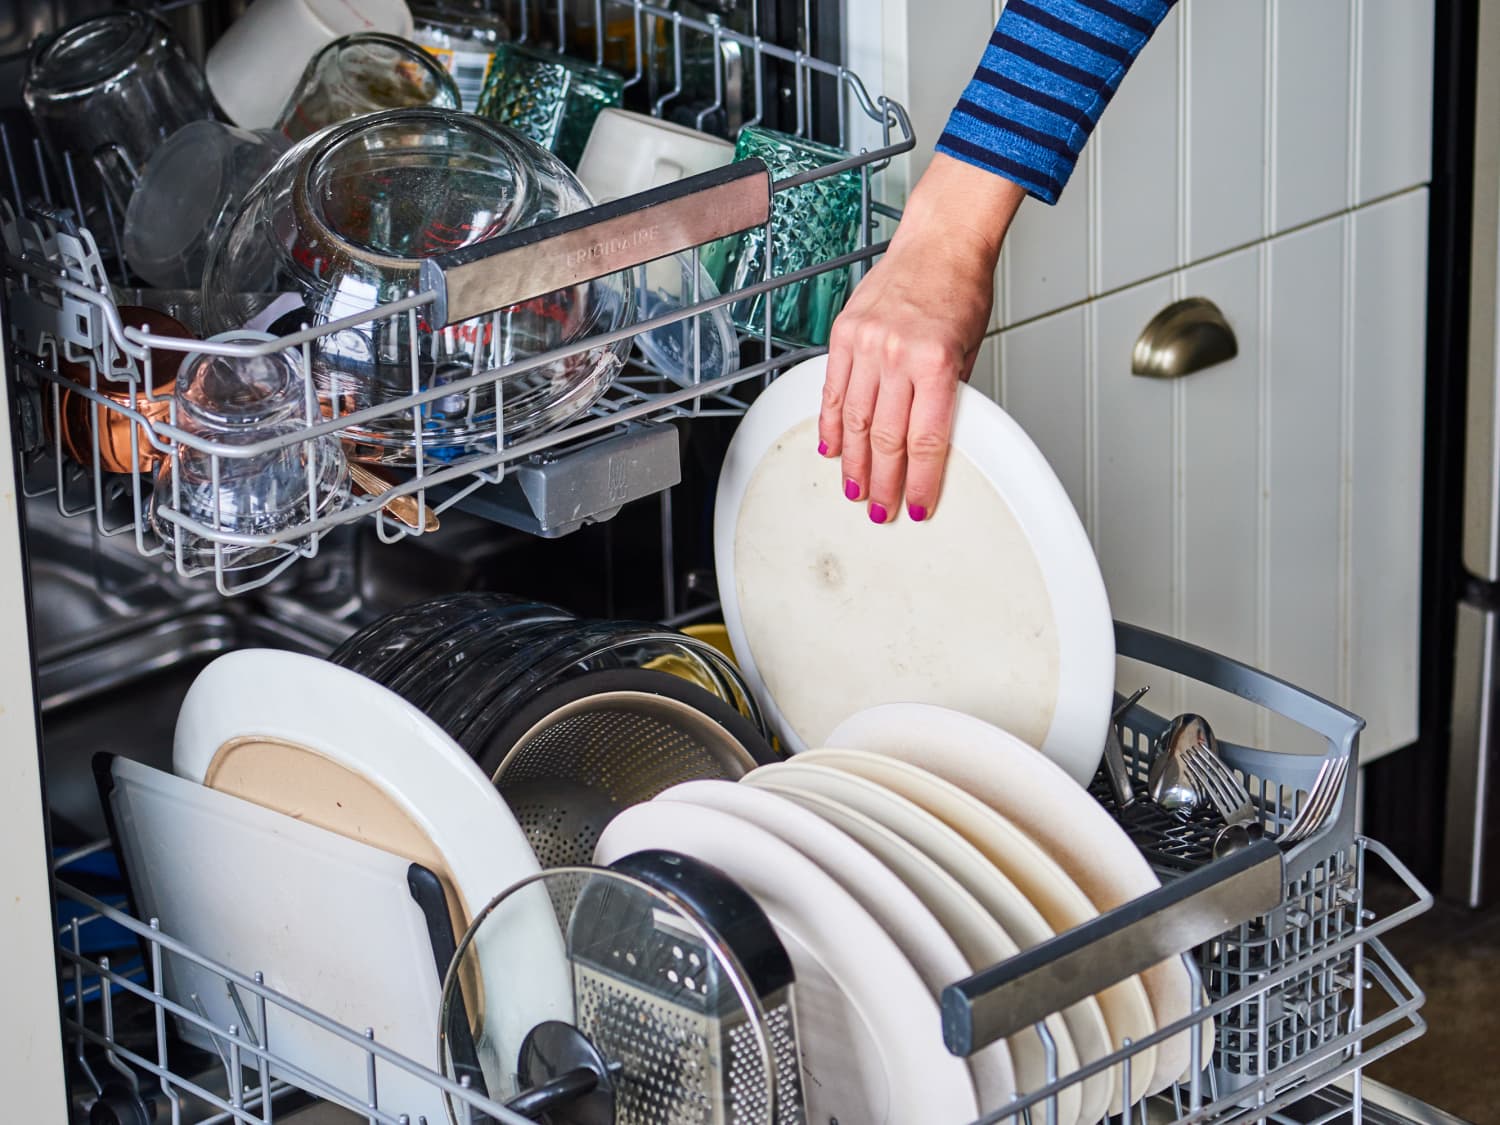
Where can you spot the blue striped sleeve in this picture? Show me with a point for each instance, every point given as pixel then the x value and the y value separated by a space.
pixel 1048 72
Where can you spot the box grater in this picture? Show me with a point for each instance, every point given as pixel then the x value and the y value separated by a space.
pixel 653 997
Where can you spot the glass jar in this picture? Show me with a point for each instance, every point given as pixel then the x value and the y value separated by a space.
pixel 364 73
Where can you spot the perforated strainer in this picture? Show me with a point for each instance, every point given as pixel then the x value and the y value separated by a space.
pixel 583 751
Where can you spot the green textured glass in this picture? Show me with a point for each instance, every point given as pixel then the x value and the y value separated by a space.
pixel 551 98
pixel 812 223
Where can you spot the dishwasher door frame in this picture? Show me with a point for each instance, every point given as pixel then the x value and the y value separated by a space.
pixel 31 1059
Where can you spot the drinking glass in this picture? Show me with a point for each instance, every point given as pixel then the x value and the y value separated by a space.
pixel 811 223
pixel 103 94
pixel 364 73
pixel 242 400
pixel 551 98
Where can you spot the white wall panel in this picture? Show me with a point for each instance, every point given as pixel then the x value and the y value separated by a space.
pixel 1395 40
pixel 1310 154
pixel 1226 124
pixel 1044 386
pixel 1219 473
pixel 1304 333
pixel 1045 265
pixel 1136 145
pixel 1385 465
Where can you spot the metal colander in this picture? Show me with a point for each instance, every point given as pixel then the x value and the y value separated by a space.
pixel 602 742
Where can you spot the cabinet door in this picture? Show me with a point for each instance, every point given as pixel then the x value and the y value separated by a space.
pixel 1269 507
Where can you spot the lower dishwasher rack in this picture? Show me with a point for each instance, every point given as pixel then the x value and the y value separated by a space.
pixel 1302 990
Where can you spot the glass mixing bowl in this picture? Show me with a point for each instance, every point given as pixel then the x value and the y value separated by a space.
pixel 343 222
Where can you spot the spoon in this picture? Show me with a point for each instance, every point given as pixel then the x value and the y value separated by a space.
pixel 1168 781
pixel 406 509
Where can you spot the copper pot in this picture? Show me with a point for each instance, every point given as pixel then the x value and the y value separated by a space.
pixel 114 427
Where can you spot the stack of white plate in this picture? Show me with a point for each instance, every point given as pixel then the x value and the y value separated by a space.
pixel 934 845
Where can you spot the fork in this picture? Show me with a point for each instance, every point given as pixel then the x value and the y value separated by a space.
pixel 1320 801
pixel 1217 781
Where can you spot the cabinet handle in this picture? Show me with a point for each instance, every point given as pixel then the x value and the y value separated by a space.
pixel 1186 336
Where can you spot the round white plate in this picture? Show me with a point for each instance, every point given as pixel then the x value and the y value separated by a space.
pixel 1070 826
pixel 899 912
pixel 869 1032
pixel 994 606
pixel 987 844
pixel 953 882
pixel 285 706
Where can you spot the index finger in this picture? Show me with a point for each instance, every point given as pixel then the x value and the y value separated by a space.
pixel 927 440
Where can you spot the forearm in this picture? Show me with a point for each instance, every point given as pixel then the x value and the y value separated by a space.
pixel 1049 70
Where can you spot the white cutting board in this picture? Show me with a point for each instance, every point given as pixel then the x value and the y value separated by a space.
pixel 329 921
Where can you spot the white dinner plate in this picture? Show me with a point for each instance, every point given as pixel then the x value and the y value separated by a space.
pixel 1070 826
pixel 994 606
pixel 991 847
pixel 329 747
pixel 899 912
pixel 956 883
pixel 869 1031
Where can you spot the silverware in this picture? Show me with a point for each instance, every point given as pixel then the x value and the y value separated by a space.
pixel 1168 782
pixel 1218 782
pixel 1321 800
pixel 1115 768
pixel 407 509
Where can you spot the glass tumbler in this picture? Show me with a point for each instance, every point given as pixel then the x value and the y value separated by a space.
pixel 103 94
pixel 364 73
pixel 551 98
pixel 810 224
pixel 241 401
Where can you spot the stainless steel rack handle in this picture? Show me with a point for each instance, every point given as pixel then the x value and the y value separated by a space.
pixel 619 235
pixel 1006 998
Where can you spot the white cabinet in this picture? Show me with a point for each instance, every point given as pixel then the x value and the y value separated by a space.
pixel 1268 507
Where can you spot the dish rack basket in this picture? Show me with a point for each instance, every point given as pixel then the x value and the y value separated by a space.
pixel 1302 991
pixel 64 286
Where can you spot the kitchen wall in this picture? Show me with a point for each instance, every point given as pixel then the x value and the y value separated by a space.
pixel 1271 155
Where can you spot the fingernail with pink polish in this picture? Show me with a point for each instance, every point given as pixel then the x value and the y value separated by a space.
pixel 822 449
pixel 851 489
pixel 877 513
pixel 916 512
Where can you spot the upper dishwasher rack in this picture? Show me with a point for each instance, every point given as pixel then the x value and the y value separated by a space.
pixel 63 296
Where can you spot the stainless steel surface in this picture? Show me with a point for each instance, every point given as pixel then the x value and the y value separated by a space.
pixel 505 271
pixel 1321 800
pixel 1213 778
pixel 1471 851
pixel 1169 782
pixel 1186 336
pixel 1114 755
pixel 1001 1001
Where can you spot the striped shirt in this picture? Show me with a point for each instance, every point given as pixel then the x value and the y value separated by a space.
pixel 1048 72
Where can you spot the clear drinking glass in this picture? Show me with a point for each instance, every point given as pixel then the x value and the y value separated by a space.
pixel 242 400
pixel 344 222
pixel 551 98
pixel 364 73
pixel 812 223
pixel 103 94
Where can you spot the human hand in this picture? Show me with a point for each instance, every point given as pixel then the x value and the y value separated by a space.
pixel 909 334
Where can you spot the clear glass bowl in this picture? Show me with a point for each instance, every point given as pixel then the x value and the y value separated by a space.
pixel 242 401
pixel 344 221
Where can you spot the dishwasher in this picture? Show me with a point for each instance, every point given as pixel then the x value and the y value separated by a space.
pixel 604 514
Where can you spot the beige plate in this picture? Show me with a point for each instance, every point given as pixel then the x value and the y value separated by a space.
pixel 1040 799
pixel 1001 847
pixel 876 821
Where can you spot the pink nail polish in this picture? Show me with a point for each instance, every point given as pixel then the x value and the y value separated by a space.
pixel 877 513
pixel 822 449
pixel 851 489
pixel 916 512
